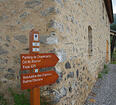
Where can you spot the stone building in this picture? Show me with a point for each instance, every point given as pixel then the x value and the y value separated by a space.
pixel 78 31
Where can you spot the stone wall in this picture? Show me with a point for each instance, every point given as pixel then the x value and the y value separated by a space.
pixel 63 27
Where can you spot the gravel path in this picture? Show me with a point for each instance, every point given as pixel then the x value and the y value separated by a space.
pixel 104 91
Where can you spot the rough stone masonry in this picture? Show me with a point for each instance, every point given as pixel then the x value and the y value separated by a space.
pixel 63 27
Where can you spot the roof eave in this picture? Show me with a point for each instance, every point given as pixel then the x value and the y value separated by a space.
pixel 109 8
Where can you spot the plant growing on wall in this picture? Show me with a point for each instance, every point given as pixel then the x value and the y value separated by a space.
pixel 103 72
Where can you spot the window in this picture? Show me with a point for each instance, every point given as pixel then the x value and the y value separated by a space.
pixel 103 10
pixel 90 41
pixel 106 20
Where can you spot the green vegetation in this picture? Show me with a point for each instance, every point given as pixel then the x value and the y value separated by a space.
pixel 105 66
pixel 21 99
pixel 100 75
pixel 2 100
pixel 103 72
pixel 113 61
pixel 113 26
pixel 28 90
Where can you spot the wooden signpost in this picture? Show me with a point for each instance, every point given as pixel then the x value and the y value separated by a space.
pixel 33 62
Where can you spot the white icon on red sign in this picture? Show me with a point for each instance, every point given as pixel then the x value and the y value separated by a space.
pixel 36 38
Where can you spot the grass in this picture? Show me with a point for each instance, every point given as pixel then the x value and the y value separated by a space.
pixel 100 75
pixel 103 72
pixel 21 99
pixel 113 62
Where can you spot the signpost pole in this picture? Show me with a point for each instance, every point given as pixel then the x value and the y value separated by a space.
pixel 35 95
pixel 35 92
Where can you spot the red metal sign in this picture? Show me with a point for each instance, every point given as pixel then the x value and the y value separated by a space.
pixel 32 80
pixel 32 61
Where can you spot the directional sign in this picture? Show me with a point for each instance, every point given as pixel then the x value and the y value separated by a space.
pixel 29 81
pixel 32 61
